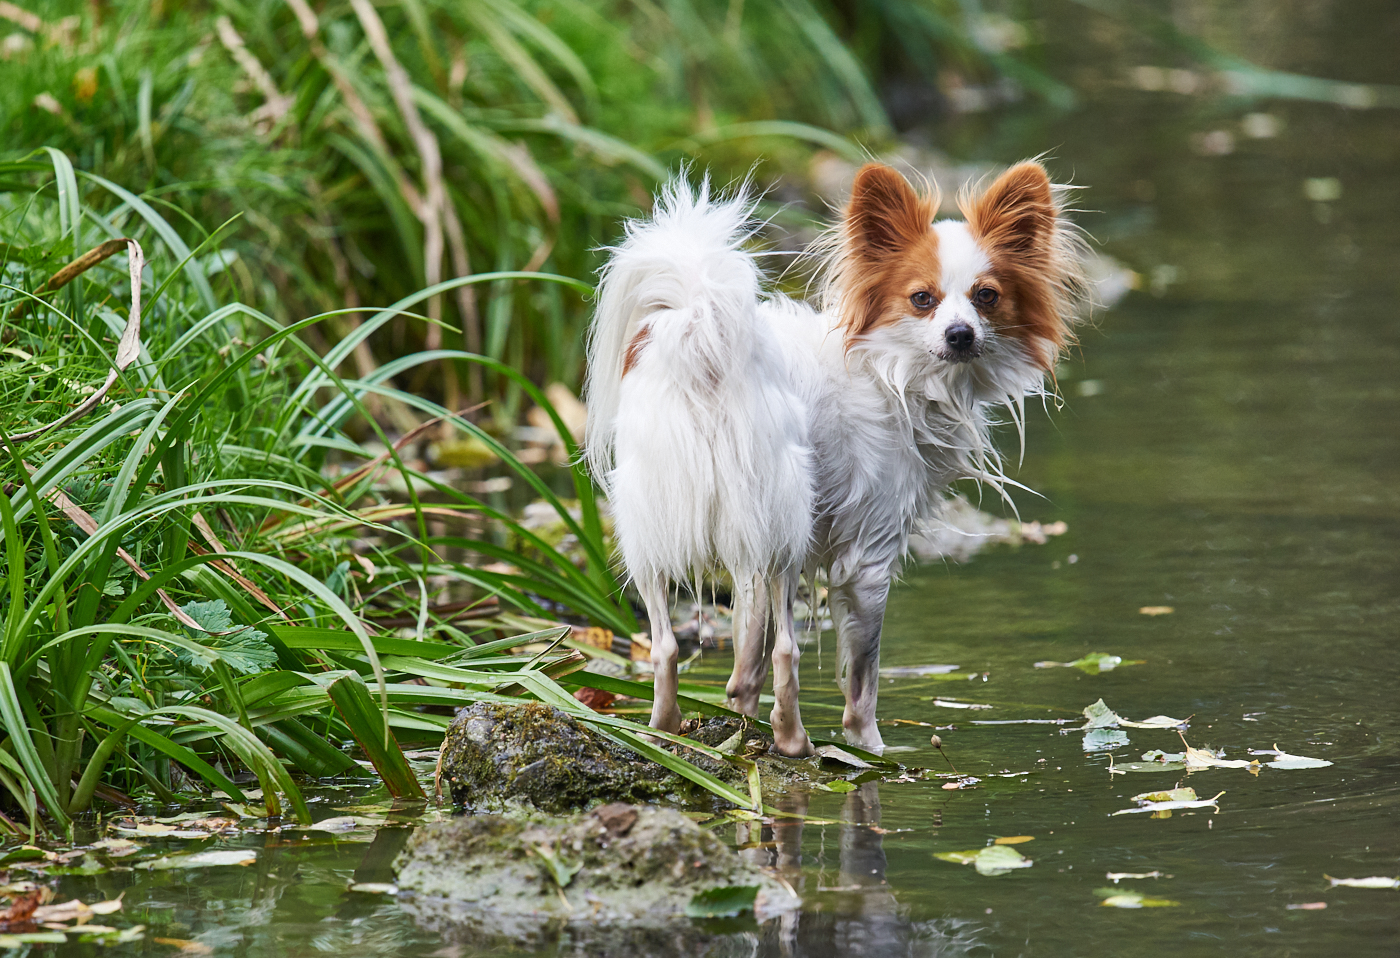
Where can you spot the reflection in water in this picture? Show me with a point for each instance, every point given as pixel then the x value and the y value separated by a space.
pixel 859 915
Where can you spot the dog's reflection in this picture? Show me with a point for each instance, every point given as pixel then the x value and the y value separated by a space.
pixel 857 914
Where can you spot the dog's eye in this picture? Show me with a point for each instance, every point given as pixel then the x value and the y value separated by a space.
pixel 922 299
pixel 986 297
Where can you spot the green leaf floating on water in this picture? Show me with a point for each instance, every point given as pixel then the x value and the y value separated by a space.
pixel 840 785
pixel 232 856
pixel 1161 804
pixel 1104 739
pixel 1113 898
pixel 1093 663
pixel 1375 882
pixel 723 902
pixel 1284 760
pixel 1099 715
pixel 993 860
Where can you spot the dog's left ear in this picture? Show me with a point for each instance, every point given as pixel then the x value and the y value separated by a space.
pixel 1015 216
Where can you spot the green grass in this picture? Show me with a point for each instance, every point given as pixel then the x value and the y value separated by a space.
pixel 185 594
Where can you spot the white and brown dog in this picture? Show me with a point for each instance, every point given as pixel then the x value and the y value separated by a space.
pixel 760 436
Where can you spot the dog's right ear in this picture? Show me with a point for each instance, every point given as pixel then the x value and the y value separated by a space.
pixel 885 216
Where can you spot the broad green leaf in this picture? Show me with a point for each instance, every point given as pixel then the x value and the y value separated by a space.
pixel 358 710
pixel 992 860
pixel 727 901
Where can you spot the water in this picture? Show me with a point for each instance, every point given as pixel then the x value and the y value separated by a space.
pixel 1228 449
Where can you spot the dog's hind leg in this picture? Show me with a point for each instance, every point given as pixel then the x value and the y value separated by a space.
pixel 753 641
pixel 789 737
pixel 858 606
pixel 665 713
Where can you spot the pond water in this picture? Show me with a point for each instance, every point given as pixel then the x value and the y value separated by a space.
pixel 1228 449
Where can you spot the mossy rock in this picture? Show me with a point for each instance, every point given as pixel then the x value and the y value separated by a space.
pixel 616 880
pixel 496 757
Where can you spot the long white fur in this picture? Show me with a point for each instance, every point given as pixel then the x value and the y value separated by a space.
pixel 748 436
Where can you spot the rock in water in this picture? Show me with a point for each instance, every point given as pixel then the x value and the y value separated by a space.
pixel 616 880
pixel 495 756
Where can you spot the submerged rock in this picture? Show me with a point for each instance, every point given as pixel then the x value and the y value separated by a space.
pixel 617 880
pixel 496 757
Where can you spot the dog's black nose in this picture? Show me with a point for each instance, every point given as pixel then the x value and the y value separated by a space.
pixel 960 337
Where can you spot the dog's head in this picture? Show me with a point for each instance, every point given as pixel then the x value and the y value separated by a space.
pixel 987 301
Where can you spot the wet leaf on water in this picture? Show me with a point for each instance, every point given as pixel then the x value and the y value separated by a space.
pixel 915 671
pixel 992 860
pixel 1124 767
pixel 1113 898
pixel 726 901
pixel 1156 610
pixel 962 781
pixel 831 753
pixel 1014 840
pixel 1099 715
pixel 73 910
pixel 1116 877
pixel 840 785
pixel 375 888
pixel 107 907
pixel 1170 795
pixel 1166 806
pixel 186 946
pixel 1375 882
pixel 954 704
pixel 1104 739
pixel 1199 758
pixel 33 938
pixel 231 856
pixel 1283 760
pixel 1306 906
pixel 1093 663
pixel 345 823
pixel 118 847
pixel 246 811
pixel 561 871
pixel 25 853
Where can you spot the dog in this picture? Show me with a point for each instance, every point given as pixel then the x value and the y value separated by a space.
pixel 755 434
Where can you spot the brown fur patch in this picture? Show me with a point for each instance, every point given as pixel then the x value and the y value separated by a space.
pixel 1016 220
pixel 887 250
pixel 634 350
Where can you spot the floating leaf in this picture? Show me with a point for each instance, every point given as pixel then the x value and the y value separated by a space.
pixel 33 938
pixel 992 860
pixel 346 823
pixel 831 753
pixel 840 785
pixel 1156 721
pixel 1099 715
pixel 1284 760
pixel 1121 767
pixel 1104 739
pixel 1170 795
pixel 953 704
pixel 726 901
pixel 915 671
pixel 1154 807
pixel 375 888
pixel 1093 663
pixel 1156 610
pixel 1116 877
pixel 232 856
pixel 1113 898
pixel 1306 906
pixel 1014 840
pixel 1377 882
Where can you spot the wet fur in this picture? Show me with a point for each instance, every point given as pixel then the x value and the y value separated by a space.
pixel 760 435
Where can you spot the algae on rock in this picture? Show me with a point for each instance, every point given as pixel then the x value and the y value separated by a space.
pixel 620 876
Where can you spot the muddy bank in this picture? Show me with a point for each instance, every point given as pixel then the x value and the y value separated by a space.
pixel 500 757
pixel 619 879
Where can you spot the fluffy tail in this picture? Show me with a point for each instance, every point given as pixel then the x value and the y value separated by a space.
pixel 686 259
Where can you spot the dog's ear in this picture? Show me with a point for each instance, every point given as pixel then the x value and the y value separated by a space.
pixel 884 215
pixel 1015 216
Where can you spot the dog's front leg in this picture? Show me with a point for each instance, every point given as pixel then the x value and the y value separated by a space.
pixel 789 737
pixel 752 642
pixel 858 605
pixel 665 713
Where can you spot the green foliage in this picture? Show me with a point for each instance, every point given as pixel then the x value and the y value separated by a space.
pixel 185 592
